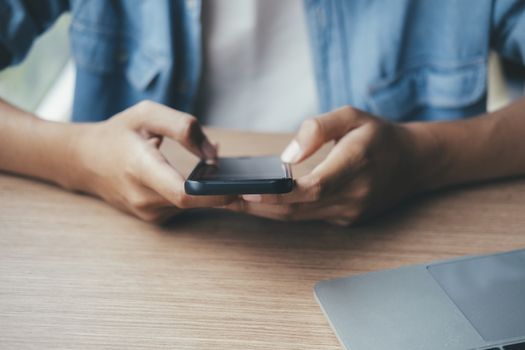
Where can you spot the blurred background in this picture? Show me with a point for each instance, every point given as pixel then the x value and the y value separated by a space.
pixel 44 82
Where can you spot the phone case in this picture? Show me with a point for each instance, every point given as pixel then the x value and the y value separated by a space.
pixel 237 187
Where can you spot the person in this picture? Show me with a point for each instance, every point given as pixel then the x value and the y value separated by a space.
pixel 400 86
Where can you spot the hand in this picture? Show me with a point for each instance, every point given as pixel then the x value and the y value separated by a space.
pixel 370 168
pixel 119 160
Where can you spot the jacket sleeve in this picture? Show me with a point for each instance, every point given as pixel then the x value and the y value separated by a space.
pixel 21 21
pixel 508 29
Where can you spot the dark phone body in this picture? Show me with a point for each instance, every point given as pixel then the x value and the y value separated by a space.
pixel 240 175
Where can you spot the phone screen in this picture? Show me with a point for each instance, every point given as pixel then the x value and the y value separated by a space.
pixel 241 168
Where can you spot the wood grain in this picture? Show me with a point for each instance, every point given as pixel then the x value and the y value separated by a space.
pixel 75 273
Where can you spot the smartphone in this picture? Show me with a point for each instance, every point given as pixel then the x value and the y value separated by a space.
pixel 240 175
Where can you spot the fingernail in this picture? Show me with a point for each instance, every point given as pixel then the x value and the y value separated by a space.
pixel 291 153
pixel 252 197
pixel 209 151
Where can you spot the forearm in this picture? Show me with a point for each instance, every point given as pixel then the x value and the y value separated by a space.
pixel 34 147
pixel 476 149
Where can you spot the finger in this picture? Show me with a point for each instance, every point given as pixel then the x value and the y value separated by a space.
pixel 257 209
pixel 333 174
pixel 145 198
pixel 314 133
pixel 340 222
pixel 155 141
pixel 305 190
pixel 187 201
pixel 342 164
pixel 294 212
pixel 160 120
pixel 156 215
pixel 146 205
pixel 289 210
pixel 156 173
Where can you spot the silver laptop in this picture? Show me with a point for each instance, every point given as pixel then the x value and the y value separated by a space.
pixel 463 304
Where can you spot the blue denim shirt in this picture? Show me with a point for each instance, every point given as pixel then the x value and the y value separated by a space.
pixel 399 59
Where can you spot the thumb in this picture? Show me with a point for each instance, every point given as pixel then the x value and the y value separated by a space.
pixel 314 133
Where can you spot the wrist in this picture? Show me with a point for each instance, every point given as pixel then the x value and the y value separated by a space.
pixel 428 161
pixel 42 149
pixel 61 148
pixel 75 175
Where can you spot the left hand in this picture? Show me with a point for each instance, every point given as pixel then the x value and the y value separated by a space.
pixel 371 167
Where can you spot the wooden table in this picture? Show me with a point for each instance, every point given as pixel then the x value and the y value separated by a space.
pixel 76 273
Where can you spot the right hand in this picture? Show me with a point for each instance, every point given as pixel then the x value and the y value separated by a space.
pixel 119 160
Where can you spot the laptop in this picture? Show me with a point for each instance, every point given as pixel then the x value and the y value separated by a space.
pixel 471 303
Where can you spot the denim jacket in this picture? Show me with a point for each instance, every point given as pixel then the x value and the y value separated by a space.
pixel 399 59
